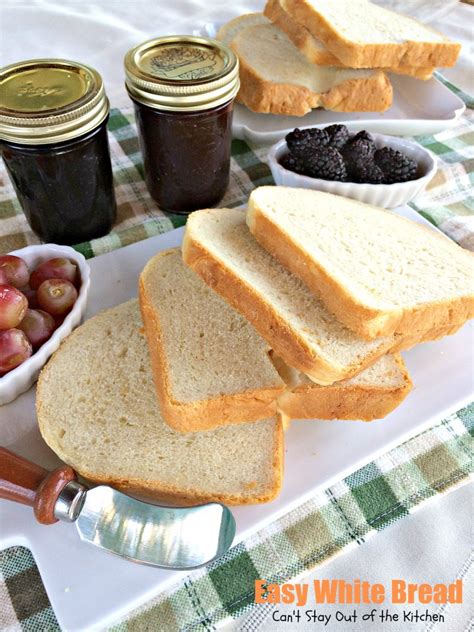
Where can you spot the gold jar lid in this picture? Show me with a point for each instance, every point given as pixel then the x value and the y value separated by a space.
pixel 182 73
pixel 50 100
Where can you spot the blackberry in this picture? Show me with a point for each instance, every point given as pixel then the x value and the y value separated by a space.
pixel 357 154
pixel 338 135
pixel 325 163
pixel 396 166
pixel 363 135
pixel 302 142
pixel 292 163
pixel 359 148
pixel 370 173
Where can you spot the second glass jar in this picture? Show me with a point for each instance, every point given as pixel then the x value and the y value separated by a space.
pixel 183 90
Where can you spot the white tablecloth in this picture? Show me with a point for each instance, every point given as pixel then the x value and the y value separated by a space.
pixel 432 545
pixel 99 33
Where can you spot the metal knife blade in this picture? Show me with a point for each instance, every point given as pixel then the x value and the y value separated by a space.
pixel 169 537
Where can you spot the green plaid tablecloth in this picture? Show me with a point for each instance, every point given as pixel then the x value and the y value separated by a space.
pixel 447 202
pixel 336 519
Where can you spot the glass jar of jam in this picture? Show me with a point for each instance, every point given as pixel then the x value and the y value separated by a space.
pixel 53 140
pixel 183 89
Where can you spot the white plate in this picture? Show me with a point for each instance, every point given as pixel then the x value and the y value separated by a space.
pixel 90 588
pixel 419 107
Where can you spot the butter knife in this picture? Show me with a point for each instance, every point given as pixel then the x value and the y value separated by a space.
pixel 168 537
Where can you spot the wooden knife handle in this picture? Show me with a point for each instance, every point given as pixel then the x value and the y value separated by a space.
pixel 29 484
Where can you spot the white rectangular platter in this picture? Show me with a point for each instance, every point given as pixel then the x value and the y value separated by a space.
pixel 90 588
pixel 419 107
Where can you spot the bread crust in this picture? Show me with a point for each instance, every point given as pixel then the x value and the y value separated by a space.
pixel 300 36
pixel 367 322
pixel 246 407
pixel 372 94
pixel 304 40
pixel 262 96
pixel 368 94
pixel 165 493
pixel 343 401
pixel 285 341
pixel 408 341
pixel 388 55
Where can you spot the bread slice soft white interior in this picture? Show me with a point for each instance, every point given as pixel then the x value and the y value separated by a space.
pixel 97 409
pixel 210 365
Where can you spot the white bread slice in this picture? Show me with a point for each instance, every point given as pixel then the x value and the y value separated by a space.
pixel 97 409
pixel 364 35
pixel 372 394
pixel 210 366
pixel 277 78
pixel 314 50
pixel 219 247
pixel 231 29
pixel 377 272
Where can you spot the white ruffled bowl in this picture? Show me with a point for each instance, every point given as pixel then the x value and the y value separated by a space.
pixel 384 195
pixel 20 379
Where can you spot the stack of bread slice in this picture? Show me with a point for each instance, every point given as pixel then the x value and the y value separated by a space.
pixel 296 308
pixel 304 54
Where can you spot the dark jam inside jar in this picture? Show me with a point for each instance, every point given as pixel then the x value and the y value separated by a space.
pixel 186 155
pixel 65 189
pixel 183 88
pixel 53 140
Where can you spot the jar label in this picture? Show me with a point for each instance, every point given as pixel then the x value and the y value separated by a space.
pixel 185 62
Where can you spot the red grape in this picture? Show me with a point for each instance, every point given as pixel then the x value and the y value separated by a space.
pixel 15 348
pixel 58 320
pixel 15 269
pixel 56 296
pixel 57 268
pixel 3 277
pixel 38 326
pixel 13 306
pixel 32 298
